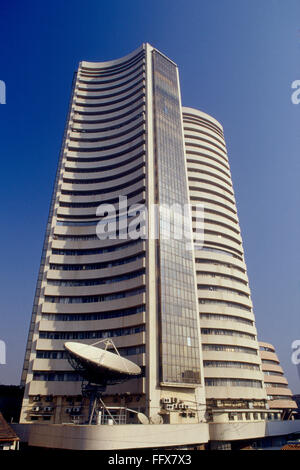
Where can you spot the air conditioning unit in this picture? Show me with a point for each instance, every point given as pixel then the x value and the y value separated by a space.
pixel 173 400
pixel 76 409
pixel 166 400
pixel 36 398
pixel 181 406
pixel 169 407
pixel 35 408
pixel 68 410
pixel 48 408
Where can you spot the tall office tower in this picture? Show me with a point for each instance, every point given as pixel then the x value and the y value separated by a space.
pixel 123 137
pixel 230 352
pixel 279 395
pixel 124 144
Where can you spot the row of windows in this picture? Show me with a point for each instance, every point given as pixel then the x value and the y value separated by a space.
pixel 220 263
pixel 76 317
pixel 101 96
pixel 221 289
pixel 202 123
pixel 208 211
pixel 199 138
pixel 139 67
pixel 210 135
pixel 110 119
pixel 265 348
pixel 114 200
pixel 106 104
pixel 130 351
pixel 203 157
pixel 91 334
pixel 112 156
pixel 110 128
pixel 223 302
pixel 198 162
pixel 222 235
pixel 94 282
pixel 275 385
pixel 75 223
pixel 110 110
pixel 279 397
pixel 113 69
pixel 75 237
pixel 221 224
pixel 214 202
pixel 216 250
pixel 233 383
pixel 81 267
pixel 227 348
pixel 105 179
pixel 221 276
pixel 217 316
pixel 204 191
pixel 216 331
pixel 209 181
pixel 192 177
pixel 269 361
pixel 94 251
pixel 107 147
pixel 92 298
pixel 103 191
pixel 110 229
pixel 112 87
pixel 57 376
pixel 206 220
pixel 231 364
pixel 117 69
pixel 106 167
pixel 269 372
pixel 60 376
pixel 212 150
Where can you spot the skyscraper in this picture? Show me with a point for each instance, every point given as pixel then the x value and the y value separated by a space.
pixel 184 315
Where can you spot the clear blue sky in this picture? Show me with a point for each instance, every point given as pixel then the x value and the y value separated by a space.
pixel 237 60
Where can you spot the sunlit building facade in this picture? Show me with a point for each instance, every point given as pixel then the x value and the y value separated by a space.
pixel 184 315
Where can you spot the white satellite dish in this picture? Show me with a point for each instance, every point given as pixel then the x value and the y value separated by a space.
pixel 156 419
pixel 99 365
pixel 143 419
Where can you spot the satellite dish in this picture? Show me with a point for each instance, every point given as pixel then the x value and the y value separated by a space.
pixel 156 419
pixel 100 366
pixel 142 418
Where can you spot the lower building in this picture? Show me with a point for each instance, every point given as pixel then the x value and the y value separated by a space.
pixel 8 438
pixel 279 396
